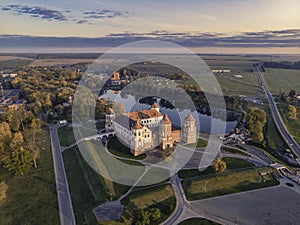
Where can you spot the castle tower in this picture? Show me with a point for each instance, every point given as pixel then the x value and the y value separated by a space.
pixel 109 117
pixel 165 133
pixel 155 106
pixel 138 143
pixel 189 130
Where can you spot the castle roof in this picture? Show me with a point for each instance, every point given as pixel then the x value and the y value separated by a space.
pixel 144 114
pixel 166 120
pixel 155 105
pixel 137 125
pixel 190 118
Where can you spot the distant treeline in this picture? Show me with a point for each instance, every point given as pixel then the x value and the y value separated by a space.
pixel 55 55
pixel 283 65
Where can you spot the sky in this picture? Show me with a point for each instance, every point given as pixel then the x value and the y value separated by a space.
pixel 171 19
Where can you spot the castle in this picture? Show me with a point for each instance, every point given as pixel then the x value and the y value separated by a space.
pixel 146 129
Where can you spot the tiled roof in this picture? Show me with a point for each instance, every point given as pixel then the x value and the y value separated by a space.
pixel 144 114
pixel 190 118
pixel 166 120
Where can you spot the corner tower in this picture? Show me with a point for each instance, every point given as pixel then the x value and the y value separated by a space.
pixel 165 133
pixel 189 130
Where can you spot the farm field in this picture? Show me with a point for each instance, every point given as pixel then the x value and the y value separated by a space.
pixel 282 78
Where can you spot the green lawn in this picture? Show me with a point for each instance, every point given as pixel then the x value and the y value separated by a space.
pixel 232 164
pixel 66 136
pixel 282 78
pixel 233 87
pixel 88 189
pixel 32 199
pixel 227 183
pixel 161 197
pixel 117 148
pixel 198 221
pixel 234 151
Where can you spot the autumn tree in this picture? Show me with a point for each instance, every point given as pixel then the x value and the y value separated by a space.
pixel 256 119
pixel 219 165
pixel 281 94
pixel 292 111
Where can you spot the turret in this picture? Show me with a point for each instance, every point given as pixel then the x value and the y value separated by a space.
pixel 189 130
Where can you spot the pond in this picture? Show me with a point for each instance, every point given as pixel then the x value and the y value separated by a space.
pixel 175 115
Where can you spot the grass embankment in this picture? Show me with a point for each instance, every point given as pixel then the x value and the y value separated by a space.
pixel 88 189
pixel 232 164
pixel 32 199
pixel 117 148
pixel 228 183
pixel 293 124
pixel 66 136
pixel 198 221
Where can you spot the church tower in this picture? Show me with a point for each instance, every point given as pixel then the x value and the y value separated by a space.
pixel 165 133
pixel 109 117
pixel 189 130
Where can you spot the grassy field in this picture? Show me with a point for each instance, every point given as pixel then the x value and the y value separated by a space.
pixel 274 142
pixel 198 221
pixel 200 144
pixel 117 148
pixel 228 183
pixel 293 124
pixel 66 136
pixel 88 189
pixel 282 78
pixel 234 87
pixel 161 197
pixel 14 63
pixel 232 164
pixel 32 199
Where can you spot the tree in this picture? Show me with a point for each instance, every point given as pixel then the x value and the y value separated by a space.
pixel 292 93
pixel 219 165
pixel 281 94
pixel 20 161
pixel 256 119
pixel 5 139
pixel 292 111
pixel 3 189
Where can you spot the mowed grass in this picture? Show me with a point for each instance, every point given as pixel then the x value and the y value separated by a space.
pixel 231 163
pixel 66 136
pixel 117 148
pixel 282 78
pixel 200 144
pixel 32 199
pixel 228 183
pixel 234 87
pixel 88 189
pixel 198 221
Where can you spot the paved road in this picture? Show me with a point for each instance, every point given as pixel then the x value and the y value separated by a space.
pixel 63 194
pixel 277 118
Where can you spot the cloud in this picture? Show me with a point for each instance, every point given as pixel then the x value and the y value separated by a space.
pixel 35 12
pixel 104 14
